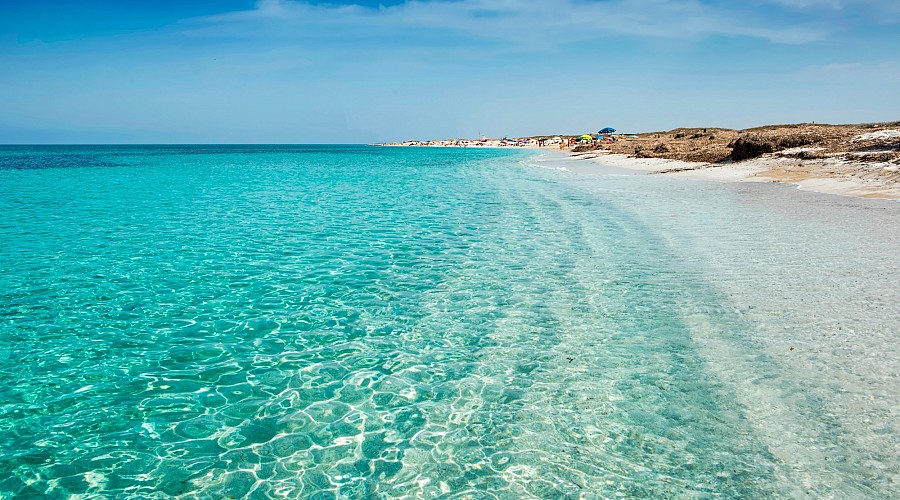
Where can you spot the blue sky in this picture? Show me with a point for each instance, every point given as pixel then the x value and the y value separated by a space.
pixel 290 71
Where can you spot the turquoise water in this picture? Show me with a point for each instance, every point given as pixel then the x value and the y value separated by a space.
pixel 360 322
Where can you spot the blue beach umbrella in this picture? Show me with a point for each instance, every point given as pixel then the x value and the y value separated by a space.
pixel 607 130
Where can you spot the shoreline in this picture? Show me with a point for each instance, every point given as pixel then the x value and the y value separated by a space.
pixel 837 177
pixel 826 176
pixel 860 160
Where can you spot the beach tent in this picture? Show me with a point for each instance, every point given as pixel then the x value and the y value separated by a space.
pixel 607 130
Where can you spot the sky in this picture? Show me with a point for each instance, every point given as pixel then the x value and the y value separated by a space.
pixel 293 71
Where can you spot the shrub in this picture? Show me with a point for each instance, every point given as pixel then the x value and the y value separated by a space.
pixel 750 146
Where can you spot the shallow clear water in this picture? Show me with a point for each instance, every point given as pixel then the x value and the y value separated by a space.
pixel 277 321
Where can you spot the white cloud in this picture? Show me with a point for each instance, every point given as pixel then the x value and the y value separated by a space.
pixel 881 11
pixel 523 23
pixel 804 4
pixel 884 71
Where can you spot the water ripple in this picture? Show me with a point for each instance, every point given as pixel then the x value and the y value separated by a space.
pixel 342 322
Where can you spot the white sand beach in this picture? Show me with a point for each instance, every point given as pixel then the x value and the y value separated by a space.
pixel 833 176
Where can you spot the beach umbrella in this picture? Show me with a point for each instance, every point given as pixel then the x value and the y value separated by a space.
pixel 586 137
pixel 607 130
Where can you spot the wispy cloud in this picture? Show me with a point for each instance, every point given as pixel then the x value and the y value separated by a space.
pixel 861 8
pixel 882 72
pixel 522 23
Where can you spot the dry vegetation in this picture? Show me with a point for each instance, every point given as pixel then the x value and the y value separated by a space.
pixel 802 141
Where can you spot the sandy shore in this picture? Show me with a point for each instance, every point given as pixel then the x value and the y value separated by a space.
pixel 861 160
pixel 833 176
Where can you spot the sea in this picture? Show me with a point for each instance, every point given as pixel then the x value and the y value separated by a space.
pixel 256 321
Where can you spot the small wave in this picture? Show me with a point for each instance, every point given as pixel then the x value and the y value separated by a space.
pixel 545 167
